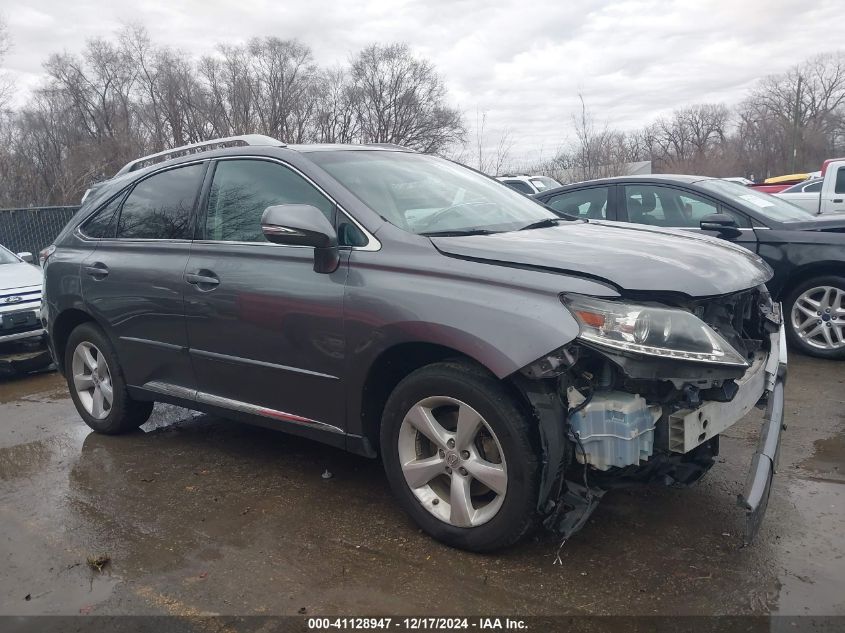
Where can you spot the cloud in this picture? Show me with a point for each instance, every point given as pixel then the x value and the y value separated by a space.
pixel 525 64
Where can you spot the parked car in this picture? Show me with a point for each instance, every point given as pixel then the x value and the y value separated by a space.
pixel 22 339
pixel 389 302
pixel 806 195
pixel 740 180
pixel 806 252
pixel 529 184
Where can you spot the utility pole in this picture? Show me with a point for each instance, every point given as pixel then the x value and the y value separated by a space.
pixel 795 121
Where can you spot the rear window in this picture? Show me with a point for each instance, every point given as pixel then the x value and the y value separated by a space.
pixel 161 206
pixel 101 224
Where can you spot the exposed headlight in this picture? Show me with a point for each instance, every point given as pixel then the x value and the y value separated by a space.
pixel 653 331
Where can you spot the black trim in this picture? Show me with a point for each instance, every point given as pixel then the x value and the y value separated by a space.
pixel 144 341
pixel 259 363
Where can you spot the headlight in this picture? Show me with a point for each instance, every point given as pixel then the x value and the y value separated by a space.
pixel 653 331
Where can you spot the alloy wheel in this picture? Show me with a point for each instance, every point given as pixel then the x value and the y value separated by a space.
pixel 92 380
pixel 818 317
pixel 452 461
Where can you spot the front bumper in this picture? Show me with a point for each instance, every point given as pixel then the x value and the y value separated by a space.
pixel 765 460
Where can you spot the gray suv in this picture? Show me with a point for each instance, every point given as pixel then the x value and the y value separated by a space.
pixel 509 366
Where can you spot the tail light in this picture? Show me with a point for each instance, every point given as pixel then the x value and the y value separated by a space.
pixel 44 255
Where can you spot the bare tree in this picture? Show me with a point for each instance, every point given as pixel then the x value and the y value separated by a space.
pixel 490 159
pixel 6 85
pixel 401 99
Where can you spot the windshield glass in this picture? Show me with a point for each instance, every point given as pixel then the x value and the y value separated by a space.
pixel 425 194
pixel 6 257
pixel 772 207
pixel 544 182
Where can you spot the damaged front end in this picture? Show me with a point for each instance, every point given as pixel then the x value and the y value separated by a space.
pixel 645 391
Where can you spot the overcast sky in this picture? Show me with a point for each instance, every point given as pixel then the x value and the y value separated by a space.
pixel 523 62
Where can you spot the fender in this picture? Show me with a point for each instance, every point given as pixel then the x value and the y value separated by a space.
pixel 398 297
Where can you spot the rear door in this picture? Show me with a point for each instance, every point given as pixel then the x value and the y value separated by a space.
pixel 833 189
pixel 265 330
pixel 133 280
pixel 676 208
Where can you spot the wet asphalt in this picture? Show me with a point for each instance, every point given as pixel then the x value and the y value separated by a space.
pixel 199 515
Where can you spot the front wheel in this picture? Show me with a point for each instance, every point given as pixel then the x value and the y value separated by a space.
pixel 816 317
pixel 459 456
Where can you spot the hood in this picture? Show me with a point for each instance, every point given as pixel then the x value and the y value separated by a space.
pixel 631 257
pixel 824 222
pixel 19 275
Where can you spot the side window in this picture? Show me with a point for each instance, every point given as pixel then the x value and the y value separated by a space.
pixel 840 181
pixel 666 206
pixel 161 206
pixel 814 187
pixel 585 203
pixel 670 207
pixel 243 189
pixel 101 224
pixel 521 187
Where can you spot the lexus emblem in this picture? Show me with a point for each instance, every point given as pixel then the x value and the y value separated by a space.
pixel 14 299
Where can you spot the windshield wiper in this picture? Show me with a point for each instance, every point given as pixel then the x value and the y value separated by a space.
pixel 541 224
pixel 459 232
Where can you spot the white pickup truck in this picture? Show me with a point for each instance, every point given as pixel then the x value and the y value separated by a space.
pixel 825 194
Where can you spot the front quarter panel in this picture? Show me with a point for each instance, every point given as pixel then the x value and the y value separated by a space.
pixel 790 252
pixel 502 317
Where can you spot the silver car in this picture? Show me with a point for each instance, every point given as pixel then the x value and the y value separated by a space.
pixel 20 297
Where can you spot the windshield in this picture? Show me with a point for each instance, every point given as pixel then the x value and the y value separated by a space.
pixel 768 206
pixel 544 182
pixel 6 257
pixel 425 194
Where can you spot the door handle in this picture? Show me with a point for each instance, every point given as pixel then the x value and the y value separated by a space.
pixel 838 200
pixel 98 270
pixel 203 278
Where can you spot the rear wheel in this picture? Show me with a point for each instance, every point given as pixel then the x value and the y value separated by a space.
pixel 96 383
pixel 458 454
pixel 816 316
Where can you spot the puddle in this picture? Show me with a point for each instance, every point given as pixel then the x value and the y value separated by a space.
pixel 828 456
pixel 34 387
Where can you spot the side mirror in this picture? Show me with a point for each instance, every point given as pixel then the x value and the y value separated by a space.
pixel 303 225
pixel 26 256
pixel 722 223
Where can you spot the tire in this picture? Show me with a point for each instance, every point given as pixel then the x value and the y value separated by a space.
pixel 829 292
pixel 122 414
pixel 502 451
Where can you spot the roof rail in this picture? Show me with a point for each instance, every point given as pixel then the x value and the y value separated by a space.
pixel 390 146
pixel 196 148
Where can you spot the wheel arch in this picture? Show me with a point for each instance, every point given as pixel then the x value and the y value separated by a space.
pixel 807 272
pixel 398 361
pixel 65 323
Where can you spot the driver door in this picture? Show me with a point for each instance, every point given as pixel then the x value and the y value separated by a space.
pixel 675 208
pixel 265 331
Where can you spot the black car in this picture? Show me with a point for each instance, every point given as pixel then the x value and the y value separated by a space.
pixel 806 252
pixel 507 365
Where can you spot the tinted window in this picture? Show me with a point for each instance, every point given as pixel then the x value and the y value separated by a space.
pixel 520 186
pixel 101 224
pixel 160 207
pixel 813 187
pixel 840 180
pixel 585 203
pixel 243 189
pixel 670 207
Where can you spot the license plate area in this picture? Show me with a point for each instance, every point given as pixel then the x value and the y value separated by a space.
pixel 16 320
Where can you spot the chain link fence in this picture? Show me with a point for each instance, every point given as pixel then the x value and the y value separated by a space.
pixel 32 229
